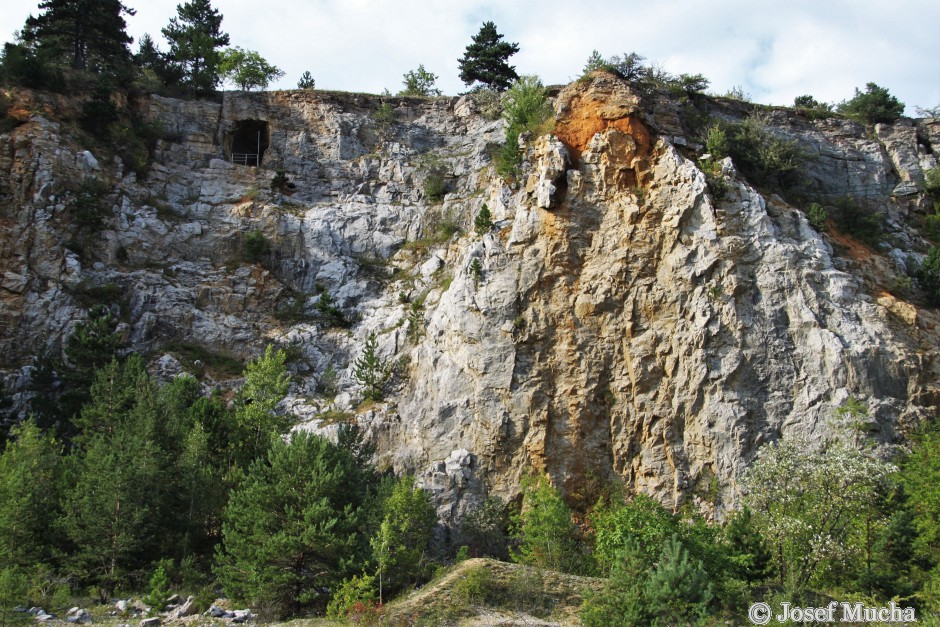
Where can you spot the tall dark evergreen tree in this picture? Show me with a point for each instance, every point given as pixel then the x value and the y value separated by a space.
pixel 195 37
pixel 88 34
pixel 485 60
pixel 291 529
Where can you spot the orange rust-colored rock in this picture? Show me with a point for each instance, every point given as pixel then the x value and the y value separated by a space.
pixel 588 108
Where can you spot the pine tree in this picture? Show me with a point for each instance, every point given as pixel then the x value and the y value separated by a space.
pixel 400 546
pixel 371 371
pixel 30 471
pixel 306 81
pixel 485 60
pixel 547 534
pixel 483 223
pixel 89 34
pixel 290 529
pixel 195 36
pixel 265 386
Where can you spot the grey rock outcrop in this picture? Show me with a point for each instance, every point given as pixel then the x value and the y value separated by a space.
pixel 620 322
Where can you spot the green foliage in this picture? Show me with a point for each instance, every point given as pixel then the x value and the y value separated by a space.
pixel 932 182
pixel 86 34
pixel 353 596
pixel 400 545
pixel 416 320
pixel 678 589
pixel 807 504
pixel 247 69
pixel 30 478
pixel 372 372
pixel 98 113
pixel 29 67
pixel 255 246
pixel 475 269
pixel 88 206
pixel 811 108
pixel 928 276
pixel 280 182
pixel 716 142
pixel 485 529
pixel 872 106
pixel 485 60
pixel 419 83
pixel 435 178
pixel 384 117
pixel 749 556
pixel 526 110
pixel 195 35
pixel 290 529
pixel 628 67
pixel 306 81
pixel 329 312
pixel 266 382
pixel 14 588
pixel 764 158
pixel 817 216
pixel 114 530
pixel 483 223
pixel 474 586
pixel 672 590
pixel 159 585
pixel 861 221
pixel 641 520
pixel 546 532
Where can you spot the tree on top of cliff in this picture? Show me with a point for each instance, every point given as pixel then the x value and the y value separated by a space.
pixel 195 36
pixel 88 34
pixel 485 60
pixel 248 69
pixel 872 106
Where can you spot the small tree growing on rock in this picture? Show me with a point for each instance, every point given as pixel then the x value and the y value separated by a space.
pixel 872 106
pixel 371 370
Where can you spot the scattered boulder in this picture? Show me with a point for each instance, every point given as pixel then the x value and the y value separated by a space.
pixel 78 616
pixel 188 608
pixel 242 616
pixel 150 622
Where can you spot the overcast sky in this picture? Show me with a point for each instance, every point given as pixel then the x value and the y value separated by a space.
pixel 773 50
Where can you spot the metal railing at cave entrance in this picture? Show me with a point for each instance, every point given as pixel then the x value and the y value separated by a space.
pixel 245 158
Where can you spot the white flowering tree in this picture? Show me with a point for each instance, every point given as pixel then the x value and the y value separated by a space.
pixel 810 504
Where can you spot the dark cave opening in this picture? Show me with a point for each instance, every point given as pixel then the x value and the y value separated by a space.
pixel 247 141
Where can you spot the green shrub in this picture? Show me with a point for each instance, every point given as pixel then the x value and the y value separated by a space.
pixel 817 216
pixel 31 68
pixel 159 586
pixel 527 110
pixel 716 142
pixel 88 207
pixel 435 172
pixel 384 117
pixel 872 106
pixel 476 269
pixel 255 246
pixel 928 276
pixel 765 159
pixel 861 222
pixel 281 183
pixel 474 587
pixel 483 223
pixel 354 594
pixel 420 83
pixel 932 182
pixel 416 320
pixel 329 312
pixel 932 223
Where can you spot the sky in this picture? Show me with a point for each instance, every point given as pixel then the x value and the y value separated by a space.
pixel 772 50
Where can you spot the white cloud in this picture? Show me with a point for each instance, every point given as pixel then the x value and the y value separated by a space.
pixel 775 51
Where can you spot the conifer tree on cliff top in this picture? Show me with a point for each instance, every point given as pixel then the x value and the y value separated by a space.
pixel 485 60
pixel 88 34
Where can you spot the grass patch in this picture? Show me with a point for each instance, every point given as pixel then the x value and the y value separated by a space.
pixel 202 360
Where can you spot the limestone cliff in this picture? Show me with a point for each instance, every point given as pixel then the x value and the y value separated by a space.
pixel 624 323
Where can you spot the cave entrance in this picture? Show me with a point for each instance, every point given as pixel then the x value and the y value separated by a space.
pixel 247 142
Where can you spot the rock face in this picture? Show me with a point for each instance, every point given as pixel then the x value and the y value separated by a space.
pixel 619 322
